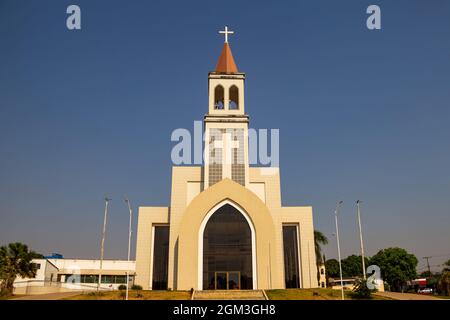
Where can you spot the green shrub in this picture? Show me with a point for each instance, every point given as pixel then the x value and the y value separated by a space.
pixel 361 291
pixel 122 287
pixel 137 288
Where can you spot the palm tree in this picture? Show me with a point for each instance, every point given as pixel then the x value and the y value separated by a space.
pixel 15 260
pixel 319 239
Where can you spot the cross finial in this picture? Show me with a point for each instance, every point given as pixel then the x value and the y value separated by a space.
pixel 226 33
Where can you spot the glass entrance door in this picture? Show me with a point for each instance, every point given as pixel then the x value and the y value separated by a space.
pixel 234 280
pixel 227 251
pixel 221 281
pixel 227 280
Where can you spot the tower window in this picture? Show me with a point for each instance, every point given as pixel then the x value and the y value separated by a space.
pixel 234 98
pixel 219 98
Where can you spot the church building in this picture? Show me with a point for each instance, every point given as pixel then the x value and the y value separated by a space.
pixel 225 227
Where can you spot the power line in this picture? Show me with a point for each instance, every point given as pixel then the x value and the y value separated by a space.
pixel 439 255
pixel 434 266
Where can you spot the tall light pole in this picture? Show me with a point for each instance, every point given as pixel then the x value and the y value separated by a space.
pixel 129 242
pixel 102 246
pixel 361 239
pixel 336 212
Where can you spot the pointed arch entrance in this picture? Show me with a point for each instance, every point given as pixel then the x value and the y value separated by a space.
pixel 227 254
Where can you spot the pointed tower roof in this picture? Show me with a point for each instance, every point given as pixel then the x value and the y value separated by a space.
pixel 226 62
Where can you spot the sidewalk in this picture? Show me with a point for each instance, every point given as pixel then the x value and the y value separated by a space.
pixel 406 296
pixel 49 296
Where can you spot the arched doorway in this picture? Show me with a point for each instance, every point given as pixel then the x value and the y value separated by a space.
pixel 227 249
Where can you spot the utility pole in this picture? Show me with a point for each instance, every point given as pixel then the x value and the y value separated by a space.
pixel 428 264
pixel 129 243
pixel 361 239
pixel 336 212
pixel 102 246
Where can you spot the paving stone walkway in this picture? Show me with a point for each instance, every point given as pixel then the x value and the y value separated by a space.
pixel 48 296
pixel 406 296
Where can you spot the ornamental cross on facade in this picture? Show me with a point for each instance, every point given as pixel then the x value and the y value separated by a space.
pixel 227 144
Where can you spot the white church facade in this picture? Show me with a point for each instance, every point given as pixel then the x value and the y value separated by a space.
pixel 225 227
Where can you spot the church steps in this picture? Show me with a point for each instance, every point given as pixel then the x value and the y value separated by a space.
pixel 228 295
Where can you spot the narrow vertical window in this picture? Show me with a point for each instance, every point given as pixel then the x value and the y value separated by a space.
pixel 234 98
pixel 160 257
pixel 290 245
pixel 219 98
pixel 238 162
pixel 215 156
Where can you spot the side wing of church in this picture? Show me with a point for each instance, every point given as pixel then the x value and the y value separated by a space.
pixel 225 227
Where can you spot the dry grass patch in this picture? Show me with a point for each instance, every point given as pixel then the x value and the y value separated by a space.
pixel 312 294
pixel 134 295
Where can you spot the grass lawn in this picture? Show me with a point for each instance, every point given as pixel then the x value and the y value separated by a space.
pixel 312 294
pixel 11 297
pixel 285 294
pixel 134 295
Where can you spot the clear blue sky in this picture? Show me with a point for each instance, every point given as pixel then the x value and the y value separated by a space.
pixel 362 114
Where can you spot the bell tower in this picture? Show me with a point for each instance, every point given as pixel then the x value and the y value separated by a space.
pixel 226 124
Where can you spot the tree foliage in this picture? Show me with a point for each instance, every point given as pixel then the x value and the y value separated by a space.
pixel 397 266
pixel 444 280
pixel 15 260
pixel 447 265
pixel 352 266
pixel 332 268
pixel 426 274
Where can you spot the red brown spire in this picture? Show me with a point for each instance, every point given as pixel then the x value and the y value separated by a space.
pixel 226 62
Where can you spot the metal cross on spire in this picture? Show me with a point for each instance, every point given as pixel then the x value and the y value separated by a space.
pixel 226 33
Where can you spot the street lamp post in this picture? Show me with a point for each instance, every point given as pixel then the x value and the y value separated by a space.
pixel 129 242
pixel 361 239
pixel 336 212
pixel 102 246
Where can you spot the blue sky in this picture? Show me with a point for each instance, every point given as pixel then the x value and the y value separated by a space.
pixel 362 114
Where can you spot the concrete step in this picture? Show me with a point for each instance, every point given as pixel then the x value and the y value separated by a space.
pixel 228 295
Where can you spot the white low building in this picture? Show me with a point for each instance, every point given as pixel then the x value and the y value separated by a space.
pixel 64 275
pixel 349 284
